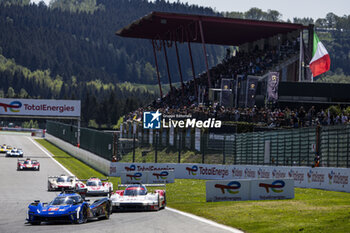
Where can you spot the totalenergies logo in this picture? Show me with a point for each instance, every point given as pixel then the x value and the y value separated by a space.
pixel 276 186
pixel 13 106
pixel 230 187
pixel 136 176
pixel 192 170
pixel 131 168
pixel 163 175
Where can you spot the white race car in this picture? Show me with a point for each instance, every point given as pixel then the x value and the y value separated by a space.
pixel 95 187
pixel 136 197
pixel 63 182
pixel 14 152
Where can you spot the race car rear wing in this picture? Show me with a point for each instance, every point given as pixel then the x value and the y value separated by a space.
pixel 147 185
pixel 94 178
pixel 51 177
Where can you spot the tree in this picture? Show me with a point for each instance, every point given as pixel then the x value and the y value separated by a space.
pixel 255 13
pixel 273 15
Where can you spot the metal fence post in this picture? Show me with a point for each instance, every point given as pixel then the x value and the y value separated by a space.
pixel 224 151
pixel 156 151
pixel 180 140
pixel 203 150
pixel 133 149
pixel 347 149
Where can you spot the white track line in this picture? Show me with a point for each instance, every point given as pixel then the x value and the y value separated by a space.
pixel 47 153
pixel 200 219
pixel 204 220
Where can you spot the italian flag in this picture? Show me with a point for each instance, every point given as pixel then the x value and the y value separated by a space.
pixel 320 61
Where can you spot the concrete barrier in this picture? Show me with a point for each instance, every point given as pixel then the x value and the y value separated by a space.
pixel 100 164
pixel 328 178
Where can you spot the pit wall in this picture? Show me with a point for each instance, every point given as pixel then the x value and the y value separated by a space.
pixel 335 179
pixel 100 164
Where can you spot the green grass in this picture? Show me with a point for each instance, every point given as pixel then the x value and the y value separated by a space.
pixel 311 210
pixel 168 155
pixel 77 167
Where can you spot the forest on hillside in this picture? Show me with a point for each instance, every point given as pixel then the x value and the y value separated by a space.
pixel 83 44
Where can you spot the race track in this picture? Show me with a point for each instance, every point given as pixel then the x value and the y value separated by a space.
pixel 19 188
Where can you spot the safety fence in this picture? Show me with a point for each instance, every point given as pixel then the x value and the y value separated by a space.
pixel 286 147
pixel 97 142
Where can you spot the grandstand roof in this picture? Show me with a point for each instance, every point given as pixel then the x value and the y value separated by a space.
pixel 216 30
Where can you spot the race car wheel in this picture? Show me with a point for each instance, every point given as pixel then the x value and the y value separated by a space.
pixel 82 216
pixel 163 207
pixel 107 212
pixel 159 204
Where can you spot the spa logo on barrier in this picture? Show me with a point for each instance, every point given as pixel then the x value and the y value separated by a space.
pixel 330 176
pixel 230 187
pixel 315 177
pixel 277 174
pixel 192 170
pixel 135 176
pixel 131 168
pixel 151 120
pixel 13 106
pixel 276 186
pixel 162 175
pixel 338 179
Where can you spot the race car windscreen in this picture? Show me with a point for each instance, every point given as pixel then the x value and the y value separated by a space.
pixel 135 191
pixel 62 179
pixel 94 183
pixel 66 200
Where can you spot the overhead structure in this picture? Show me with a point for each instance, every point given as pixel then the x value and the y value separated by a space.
pixel 165 29
pixel 42 108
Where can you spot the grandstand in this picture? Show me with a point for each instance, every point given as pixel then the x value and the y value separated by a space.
pixel 263 47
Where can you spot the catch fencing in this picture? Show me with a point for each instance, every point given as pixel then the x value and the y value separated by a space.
pixel 284 147
pixel 97 142
pixel 287 147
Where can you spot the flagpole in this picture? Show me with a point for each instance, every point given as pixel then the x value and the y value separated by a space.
pixel 300 53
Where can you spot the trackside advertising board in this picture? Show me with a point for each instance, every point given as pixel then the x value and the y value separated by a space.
pixel 158 177
pixel 254 189
pixel 40 107
pixel 272 189
pixel 133 177
pixel 336 179
pixel 227 190
pixel 147 177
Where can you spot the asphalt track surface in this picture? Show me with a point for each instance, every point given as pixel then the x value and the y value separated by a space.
pixel 19 188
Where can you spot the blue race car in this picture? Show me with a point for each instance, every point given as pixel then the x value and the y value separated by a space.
pixel 68 207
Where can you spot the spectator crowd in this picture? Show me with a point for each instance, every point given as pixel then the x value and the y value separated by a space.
pixel 193 98
pixel 264 117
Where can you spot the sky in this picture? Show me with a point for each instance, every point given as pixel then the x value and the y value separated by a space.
pixel 288 8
